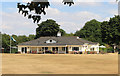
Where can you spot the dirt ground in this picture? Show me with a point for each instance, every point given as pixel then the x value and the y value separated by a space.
pixel 59 64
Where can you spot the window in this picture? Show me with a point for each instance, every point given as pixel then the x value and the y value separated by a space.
pixel 64 48
pixel 91 49
pixel 50 40
pixel 75 48
pixel 46 48
pixel 54 48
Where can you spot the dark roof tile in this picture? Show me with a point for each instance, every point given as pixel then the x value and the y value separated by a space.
pixel 60 41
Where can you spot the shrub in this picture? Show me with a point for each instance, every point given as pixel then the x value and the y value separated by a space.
pixel 109 50
pixel 91 52
pixel 88 52
pixel 94 52
pixel 102 52
pixel 106 50
pixel 17 52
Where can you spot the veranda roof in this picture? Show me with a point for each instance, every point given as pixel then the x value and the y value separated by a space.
pixel 73 40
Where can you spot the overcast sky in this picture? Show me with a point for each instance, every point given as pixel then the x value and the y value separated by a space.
pixel 71 18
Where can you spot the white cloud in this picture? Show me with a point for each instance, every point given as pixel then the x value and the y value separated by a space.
pixel 87 4
pixel 107 19
pixel 14 23
pixel 61 0
pixel 95 0
pixel 70 22
pixel 26 1
pixel 113 12
pixel 6 27
pixel 113 3
pixel 70 27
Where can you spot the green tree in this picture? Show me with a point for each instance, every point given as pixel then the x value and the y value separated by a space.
pixel 38 7
pixel 70 34
pixel 111 31
pixel 5 41
pixel 31 37
pixel 62 32
pixel 91 31
pixel 19 39
pixel 22 38
pixel 48 28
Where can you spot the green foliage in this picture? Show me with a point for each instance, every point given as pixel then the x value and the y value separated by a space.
pixel 48 28
pixel 5 40
pixel 19 39
pixel 103 32
pixel 38 7
pixel 91 31
pixel 68 2
pixel 71 34
pixel 106 50
pixel 31 37
pixel 62 32
pixel 14 50
pixel 111 31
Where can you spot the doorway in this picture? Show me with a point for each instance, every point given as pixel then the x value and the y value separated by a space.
pixel 24 49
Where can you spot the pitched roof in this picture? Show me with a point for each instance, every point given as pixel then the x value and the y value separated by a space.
pixel 73 40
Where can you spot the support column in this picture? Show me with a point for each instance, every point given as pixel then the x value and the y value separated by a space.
pixel 24 50
pixel 30 49
pixel 58 50
pixel 51 50
pixel 37 50
pixel 65 50
pixel 44 50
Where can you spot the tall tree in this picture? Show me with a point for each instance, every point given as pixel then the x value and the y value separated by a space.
pixel 31 37
pixel 91 31
pixel 5 41
pixel 48 28
pixel 111 31
pixel 19 39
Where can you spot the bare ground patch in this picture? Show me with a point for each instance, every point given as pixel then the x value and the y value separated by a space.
pixel 59 64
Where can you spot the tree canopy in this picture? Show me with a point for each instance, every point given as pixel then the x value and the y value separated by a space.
pixel 107 32
pixel 111 31
pixel 48 28
pixel 19 39
pixel 91 31
pixel 38 7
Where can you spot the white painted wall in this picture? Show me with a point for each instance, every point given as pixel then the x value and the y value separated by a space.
pixel 28 49
pixel 69 48
pixel 59 34
pixel 19 49
pixel 83 48
pixel 96 47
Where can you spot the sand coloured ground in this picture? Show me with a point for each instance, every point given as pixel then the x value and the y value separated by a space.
pixel 59 63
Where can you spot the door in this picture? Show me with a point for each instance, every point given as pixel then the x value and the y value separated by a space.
pixel 25 49
pixel 66 49
pixel 22 49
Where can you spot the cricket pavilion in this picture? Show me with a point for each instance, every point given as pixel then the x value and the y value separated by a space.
pixel 59 44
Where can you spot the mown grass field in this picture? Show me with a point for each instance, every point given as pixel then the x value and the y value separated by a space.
pixel 59 64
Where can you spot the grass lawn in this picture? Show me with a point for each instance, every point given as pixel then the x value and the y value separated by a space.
pixel 59 64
